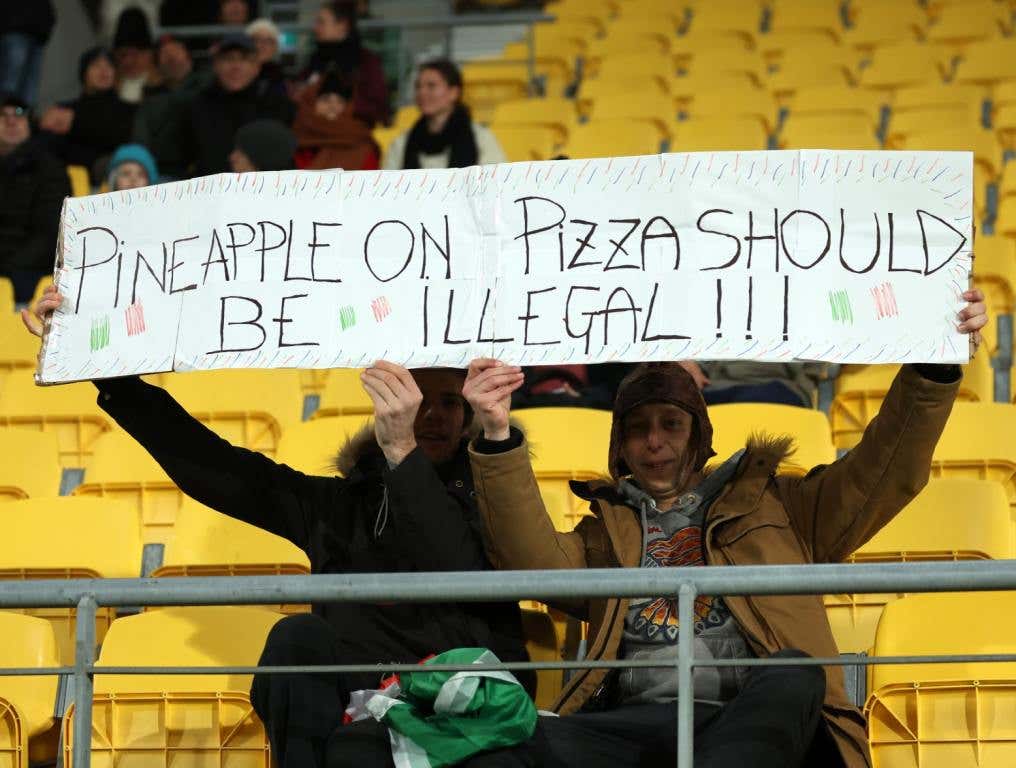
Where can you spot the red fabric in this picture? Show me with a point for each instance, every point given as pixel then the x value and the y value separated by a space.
pixel 370 101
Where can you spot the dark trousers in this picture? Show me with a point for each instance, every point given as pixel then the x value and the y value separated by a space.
pixel 301 711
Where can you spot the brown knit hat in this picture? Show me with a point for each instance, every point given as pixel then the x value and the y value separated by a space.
pixel 660 383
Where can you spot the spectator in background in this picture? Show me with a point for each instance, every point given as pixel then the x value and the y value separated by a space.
pixel 327 134
pixel 161 119
pixel 132 166
pixel 33 185
pixel 339 48
pixel 263 145
pixel 234 12
pixel 85 131
pixel 133 54
pixel 24 29
pixel 746 381
pixel 445 136
pixel 234 99
pixel 267 42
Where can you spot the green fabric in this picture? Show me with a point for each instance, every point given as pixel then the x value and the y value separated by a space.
pixel 453 715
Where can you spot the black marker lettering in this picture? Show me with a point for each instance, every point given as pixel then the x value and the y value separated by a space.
pixel 619 246
pixel 892 251
pixel 173 264
pixel 409 252
pixel 583 244
pixel 649 319
pixel 282 320
pixel 264 247
pixel 610 310
pixel 314 245
pixel 479 331
pixel 448 322
pixel 216 243
pixel 878 245
pixel 567 315
pixel 84 258
pixel 825 248
pixel 924 242
pixel 222 325
pixel 234 246
pixel 160 279
pixel 752 237
pixel 737 240
pixel 670 233
pixel 529 316
pixel 445 252
pixel 527 232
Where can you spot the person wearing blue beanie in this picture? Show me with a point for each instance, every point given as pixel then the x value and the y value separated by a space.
pixel 132 166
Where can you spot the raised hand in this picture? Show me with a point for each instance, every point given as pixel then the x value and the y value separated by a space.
pixel 396 402
pixel 35 320
pixel 488 389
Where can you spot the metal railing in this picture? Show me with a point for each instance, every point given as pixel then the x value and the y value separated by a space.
pixel 86 595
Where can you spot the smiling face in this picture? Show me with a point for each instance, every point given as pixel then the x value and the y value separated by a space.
pixel 657 438
pixel 441 421
pixel 99 75
pixel 236 69
pixel 434 95
pixel 329 28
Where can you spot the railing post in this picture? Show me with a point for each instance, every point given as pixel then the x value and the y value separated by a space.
pixel 84 657
pixel 685 688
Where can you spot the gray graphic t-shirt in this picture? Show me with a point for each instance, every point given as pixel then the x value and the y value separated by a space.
pixel 674 538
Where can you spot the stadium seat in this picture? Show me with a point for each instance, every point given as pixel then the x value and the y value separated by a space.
pixel 733 424
pixel 834 100
pixel 30 466
pixel 68 411
pixel 405 117
pixel 566 444
pixel 699 86
pixel 817 131
pixel 821 45
pixel 522 143
pixel 987 154
pixel 711 17
pixel 67 537
pixel 860 390
pixel 542 644
pixel 80 183
pixel 311 446
pixel 823 15
pixel 6 296
pixel 246 407
pixel 637 106
pixel 978 442
pixel 488 82
pixel 25 641
pixel 1005 224
pixel 343 395
pixel 612 138
pixel 730 102
pixel 179 720
pixel 384 137
pixel 18 348
pixel 995 274
pixel 554 113
pixel 119 469
pixel 907 121
pixel 723 56
pixel 788 79
pixel 902 65
pixel 952 714
pixel 719 135
pixel 878 24
pixel 654 42
pixel 987 63
pixel 952 519
pixel 956 26
pixel 555 70
pixel 636 67
pixel 937 95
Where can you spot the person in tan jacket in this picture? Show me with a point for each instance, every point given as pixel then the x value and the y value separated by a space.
pixel 660 508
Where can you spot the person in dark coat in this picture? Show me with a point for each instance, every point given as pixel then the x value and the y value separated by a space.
pixel 404 503
pixel 232 101
pixel 86 130
pixel 33 185
pixel 339 47
pixel 263 145
pixel 25 28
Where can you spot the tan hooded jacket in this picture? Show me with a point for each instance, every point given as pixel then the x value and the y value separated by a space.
pixel 760 518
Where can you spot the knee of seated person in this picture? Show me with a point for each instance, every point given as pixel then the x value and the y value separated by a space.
pixel 811 676
pixel 298 630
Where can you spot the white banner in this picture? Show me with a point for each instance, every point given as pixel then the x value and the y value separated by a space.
pixel 817 255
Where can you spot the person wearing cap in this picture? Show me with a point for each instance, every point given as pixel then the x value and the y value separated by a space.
pixel 133 53
pixel 263 145
pixel 234 99
pixel 132 166
pixel 86 130
pixel 327 133
pixel 662 508
pixel 33 185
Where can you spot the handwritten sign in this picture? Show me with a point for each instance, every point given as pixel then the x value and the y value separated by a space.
pixel 841 256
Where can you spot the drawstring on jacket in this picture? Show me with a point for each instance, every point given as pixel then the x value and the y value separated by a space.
pixel 382 514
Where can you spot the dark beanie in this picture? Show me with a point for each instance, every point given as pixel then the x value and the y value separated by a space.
pixel 333 82
pixel 269 144
pixel 98 52
pixel 132 30
pixel 660 383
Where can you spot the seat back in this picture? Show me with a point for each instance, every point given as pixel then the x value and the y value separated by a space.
pixel 311 447
pixel 27 641
pixel 735 423
pixel 978 442
pixel 343 394
pixel 30 466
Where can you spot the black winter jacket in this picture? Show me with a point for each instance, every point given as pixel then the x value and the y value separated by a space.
pixel 413 518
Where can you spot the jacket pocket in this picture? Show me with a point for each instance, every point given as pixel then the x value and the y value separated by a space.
pixel 762 537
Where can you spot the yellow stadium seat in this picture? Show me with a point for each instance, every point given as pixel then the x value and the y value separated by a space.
pixel 526 142
pixel 119 469
pixel 1005 224
pixel 785 81
pixel 18 348
pixel 26 641
pixel 311 446
pixel 610 87
pixel 80 184
pixel 566 444
pixel 902 65
pixel 884 24
pixel 906 122
pixel 987 153
pixel 246 407
pixel 978 442
pixel 30 466
pixel 612 138
pixel 953 714
pixel 860 390
pixel 731 101
pixel 719 135
pixel 542 644
pixel 822 46
pixel 6 295
pixel 179 719
pixel 556 69
pixel 936 94
pixel 384 137
pixel 987 63
pixel 405 117
pixel 821 15
pixel 490 81
pixel 734 423
pixel 930 528
pixel 344 395
pixel 995 274
pixel 712 17
pixel 568 37
pixel 834 100
pixel 209 543
pixel 555 113
pixel 636 67
pixel 68 411
pixel 801 131
pixel 655 43
pixel 637 106
pixel 695 85
pixel 67 537
pixel 602 9
pixel 956 26
pixel 728 57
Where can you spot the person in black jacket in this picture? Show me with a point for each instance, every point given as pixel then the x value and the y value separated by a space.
pixel 404 503
pixel 233 100
pixel 33 185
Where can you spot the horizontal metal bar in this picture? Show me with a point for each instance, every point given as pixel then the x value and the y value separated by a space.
pixel 518 666
pixel 412 22
pixel 507 586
